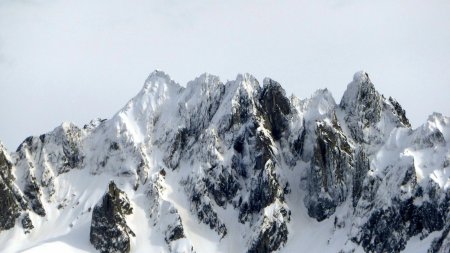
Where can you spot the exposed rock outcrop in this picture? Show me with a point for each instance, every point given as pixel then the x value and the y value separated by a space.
pixel 329 175
pixel 10 207
pixel 109 229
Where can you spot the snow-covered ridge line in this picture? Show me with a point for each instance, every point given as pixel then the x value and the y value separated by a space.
pixel 233 167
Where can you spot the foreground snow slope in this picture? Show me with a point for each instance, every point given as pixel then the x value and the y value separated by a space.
pixel 233 167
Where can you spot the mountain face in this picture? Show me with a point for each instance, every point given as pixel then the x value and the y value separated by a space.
pixel 234 167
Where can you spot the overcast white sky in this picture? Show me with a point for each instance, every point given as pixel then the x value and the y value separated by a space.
pixel 78 60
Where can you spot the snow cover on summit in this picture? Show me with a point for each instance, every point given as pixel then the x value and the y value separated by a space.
pixel 233 167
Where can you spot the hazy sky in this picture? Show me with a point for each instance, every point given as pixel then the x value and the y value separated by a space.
pixel 78 60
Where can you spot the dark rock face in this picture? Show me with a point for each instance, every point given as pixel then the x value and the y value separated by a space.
pixel 400 112
pixel 175 233
pixel 266 189
pixel 71 150
pixel 222 184
pixel 442 243
pixel 362 166
pixel 42 159
pixel 201 205
pixel 389 230
pixel 176 149
pixel 253 162
pixel 389 227
pixel 328 175
pixel 9 207
pixel 378 232
pixel 365 105
pixel 299 143
pixel 243 111
pixel 109 230
pixel 431 139
pixel 27 224
pixel 276 107
pixel 369 104
pixel 67 156
pixel 365 108
pixel 33 193
pixel 270 238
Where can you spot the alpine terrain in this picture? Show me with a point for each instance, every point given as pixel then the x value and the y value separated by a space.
pixel 233 167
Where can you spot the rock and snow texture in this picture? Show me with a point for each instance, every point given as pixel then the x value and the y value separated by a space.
pixel 109 229
pixel 233 167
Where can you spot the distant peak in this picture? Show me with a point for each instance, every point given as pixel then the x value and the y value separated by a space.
pixel 322 93
pixel 438 119
pixel 204 80
pixel 246 77
pixel 361 88
pixel 206 76
pixel 67 125
pixel 158 87
pixel 434 116
pixel 246 82
pixel 361 77
pixel 158 73
pixel 320 105
pixel 157 77
pixel 323 96
pixel 269 82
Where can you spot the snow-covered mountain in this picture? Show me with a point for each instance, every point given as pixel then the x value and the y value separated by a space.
pixel 233 167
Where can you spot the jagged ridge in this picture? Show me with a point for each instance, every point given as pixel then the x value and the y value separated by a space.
pixel 237 158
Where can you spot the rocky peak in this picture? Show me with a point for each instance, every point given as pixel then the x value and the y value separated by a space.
pixel 205 83
pixel 158 88
pixel 5 161
pixel 275 106
pixel 248 81
pixel 440 122
pixel 361 95
pixel 369 115
pixel 200 101
pixel 109 229
pixel 240 98
pixel 245 86
pixel 159 80
pixel 400 112
pixel 319 106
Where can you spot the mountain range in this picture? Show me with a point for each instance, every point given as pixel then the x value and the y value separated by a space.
pixel 233 167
